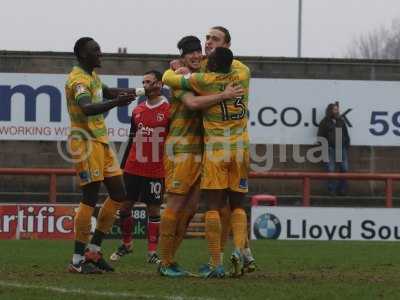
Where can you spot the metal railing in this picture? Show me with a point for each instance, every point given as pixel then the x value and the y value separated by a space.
pixel 387 178
pixel 52 173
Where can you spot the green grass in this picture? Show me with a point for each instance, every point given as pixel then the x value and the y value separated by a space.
pixel 288 270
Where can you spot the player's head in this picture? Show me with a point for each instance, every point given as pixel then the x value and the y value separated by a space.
pixel 152 83
pixel 191 52
pixel 87 51
pixel 332 110
pixel 220 60
pixel 217 36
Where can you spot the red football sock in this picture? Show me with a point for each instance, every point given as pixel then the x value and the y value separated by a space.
pixel 153 226
pixel 126 225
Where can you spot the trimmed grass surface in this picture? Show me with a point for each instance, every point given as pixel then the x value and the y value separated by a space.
pixel 31 269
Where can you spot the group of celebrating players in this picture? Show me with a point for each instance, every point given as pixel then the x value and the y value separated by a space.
pixel 192 143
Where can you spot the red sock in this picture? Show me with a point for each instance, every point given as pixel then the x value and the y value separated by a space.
pixel 153 226
pixel 126 225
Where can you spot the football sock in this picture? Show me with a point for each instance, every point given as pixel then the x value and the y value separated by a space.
pixel 107 215
pixel 213 236
pixel 126 226
pixel 105 220
pixel 184 218
pixel 79 250
pixel 82 225
pixel 225 214
pixel 239 228
pixel 167 235
pixel 153 226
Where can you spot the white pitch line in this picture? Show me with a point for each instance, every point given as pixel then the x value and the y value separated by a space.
pixel 96 293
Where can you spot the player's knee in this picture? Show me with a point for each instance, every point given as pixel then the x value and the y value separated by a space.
pixel 117 194
pixel 236 200
pixel 91 194
pixel 116 188
pixel 176 202
pixel 89 202
pixel 126 209
pixel 236 203
pixel 153 211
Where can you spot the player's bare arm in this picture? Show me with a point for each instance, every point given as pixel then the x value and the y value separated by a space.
pixel 91 109
pixel 112 93
pixel 132 132
pixel 194 102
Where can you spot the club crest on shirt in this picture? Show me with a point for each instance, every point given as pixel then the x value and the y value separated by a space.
pixel 80 89
pixel 160 117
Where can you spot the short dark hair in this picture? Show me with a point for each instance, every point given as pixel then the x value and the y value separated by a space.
pixel 225 31
pixel 156 74
pixel 222 58
pixel 189 44
pixel 80 44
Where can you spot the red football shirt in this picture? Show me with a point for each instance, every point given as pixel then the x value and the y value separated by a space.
pixel 149 128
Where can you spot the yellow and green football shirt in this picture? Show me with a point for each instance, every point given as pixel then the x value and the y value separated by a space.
pixel 236 65
pixel 185 131
pixel 224 123
pixel 78 85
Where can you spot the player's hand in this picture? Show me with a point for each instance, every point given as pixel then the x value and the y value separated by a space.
pixel 232 90
pixel 125 98
pixel 183 71
pixel 175 64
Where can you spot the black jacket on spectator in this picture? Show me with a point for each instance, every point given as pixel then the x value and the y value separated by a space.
pixel 327 128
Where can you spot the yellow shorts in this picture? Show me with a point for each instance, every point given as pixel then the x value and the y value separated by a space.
pixel 225 170
pixel 181 172
pixel 93 160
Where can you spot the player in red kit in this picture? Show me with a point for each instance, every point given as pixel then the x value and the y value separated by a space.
pixel 143 165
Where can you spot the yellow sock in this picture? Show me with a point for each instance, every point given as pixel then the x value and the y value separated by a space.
pixel 239 227
pixel 107 215
pixel 168 225
pixel 225 214
pixel 184 218
pixel 213 236
pixel 246 242
pixel 83 223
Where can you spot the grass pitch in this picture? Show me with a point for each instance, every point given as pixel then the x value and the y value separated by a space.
pixel 287 270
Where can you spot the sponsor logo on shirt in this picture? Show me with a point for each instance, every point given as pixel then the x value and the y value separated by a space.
pixel 160 117
pixel 84 176
pixel 176 183
pixel 243 183
pixel 145 130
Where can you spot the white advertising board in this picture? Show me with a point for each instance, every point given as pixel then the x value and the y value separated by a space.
pixel 282 111
pixel 320 223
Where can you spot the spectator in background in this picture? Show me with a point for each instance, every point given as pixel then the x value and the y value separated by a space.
pixel 333 128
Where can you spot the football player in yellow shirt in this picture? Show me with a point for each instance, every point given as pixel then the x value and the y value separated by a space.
pixel 226 154
pixel 219 36
pixel 94 160
pixel 184 148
